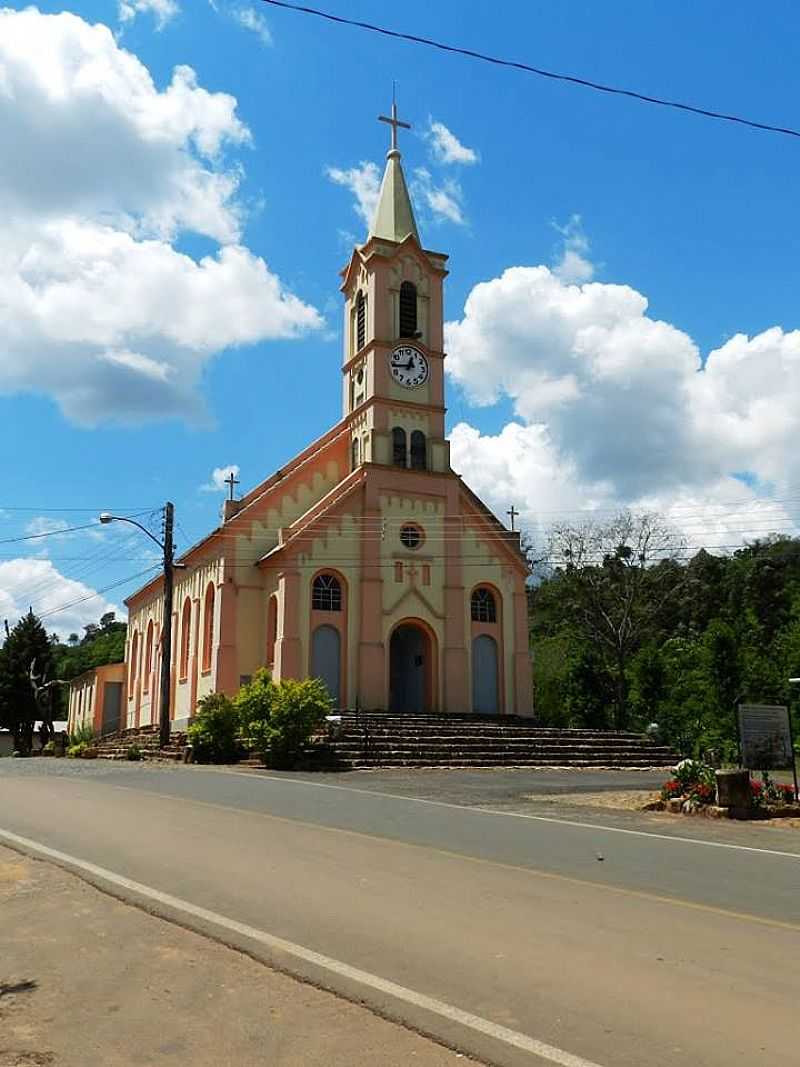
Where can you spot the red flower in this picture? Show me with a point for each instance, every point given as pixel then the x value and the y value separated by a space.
pixel 756 787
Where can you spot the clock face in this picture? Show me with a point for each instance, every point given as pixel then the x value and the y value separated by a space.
pixel 409 367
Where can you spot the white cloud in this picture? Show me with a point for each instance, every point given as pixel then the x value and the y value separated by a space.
pixel 364 182
pixel 614 408
pixel 443 202
pixel 99 309
pixel 250 19
pixel 42 526
pixel 446 147
pixel 120 328
pixel 574 266
pixel 163 10
pixel 64 605
pixel 216 484
pixel 43 531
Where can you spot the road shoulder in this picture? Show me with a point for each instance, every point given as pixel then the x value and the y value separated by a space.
pixel 89 981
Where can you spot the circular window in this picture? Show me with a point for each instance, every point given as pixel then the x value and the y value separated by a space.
pixel 411 536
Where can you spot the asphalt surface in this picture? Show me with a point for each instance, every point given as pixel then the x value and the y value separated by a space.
pixel 601 935
pixel 88 981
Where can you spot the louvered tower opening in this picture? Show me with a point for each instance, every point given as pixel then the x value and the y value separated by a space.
pixel 408 310
pixel 361 321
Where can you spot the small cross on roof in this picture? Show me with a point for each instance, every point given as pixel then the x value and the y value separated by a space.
pixel 231 481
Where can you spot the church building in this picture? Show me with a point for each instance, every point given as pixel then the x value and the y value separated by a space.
pixel 365 560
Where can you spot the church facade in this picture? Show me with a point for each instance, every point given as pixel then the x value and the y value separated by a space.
pixel 365 560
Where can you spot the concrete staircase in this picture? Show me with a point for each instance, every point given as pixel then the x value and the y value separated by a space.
pixel 146 738
pixel 420 740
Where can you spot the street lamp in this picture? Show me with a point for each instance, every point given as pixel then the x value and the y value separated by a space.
pixel 168 551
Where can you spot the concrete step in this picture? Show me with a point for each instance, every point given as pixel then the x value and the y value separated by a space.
pixel 622 765
pixel 146 739
pixel 436 737
pixel 436 729
pixel 424 740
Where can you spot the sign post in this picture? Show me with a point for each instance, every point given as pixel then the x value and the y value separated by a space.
pixel 765 738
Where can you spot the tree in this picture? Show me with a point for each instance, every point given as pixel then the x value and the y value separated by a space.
pixel 103 643
pixel 648 682
pixel 687 707
pixel 26 644
pixel 616 579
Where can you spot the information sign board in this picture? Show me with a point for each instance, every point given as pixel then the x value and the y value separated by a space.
pixel 765 734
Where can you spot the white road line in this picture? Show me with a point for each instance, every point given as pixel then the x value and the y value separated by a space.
pixel 511 814
pixel 372 981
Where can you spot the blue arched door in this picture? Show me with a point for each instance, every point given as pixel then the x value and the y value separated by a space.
pixel 485 696
pixel 410 667
pixel 326 659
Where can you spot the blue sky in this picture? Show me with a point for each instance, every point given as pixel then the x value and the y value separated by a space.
pixel 699 217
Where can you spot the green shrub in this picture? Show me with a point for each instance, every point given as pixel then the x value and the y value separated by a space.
pixel 214 733
pixel 49 749
pixel 279 719
pixel 76 750
pixel 299 708
pixel 134 754
pixel 253 704
pixel 83 734
pixel 691 772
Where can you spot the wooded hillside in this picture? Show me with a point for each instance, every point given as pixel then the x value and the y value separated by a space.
pixel 627 629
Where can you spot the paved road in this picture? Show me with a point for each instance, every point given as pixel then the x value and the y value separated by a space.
pixel 140 992
pixel 621 945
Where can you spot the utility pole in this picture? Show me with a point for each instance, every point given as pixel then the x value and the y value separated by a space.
pixel 168 549
pixel 166 626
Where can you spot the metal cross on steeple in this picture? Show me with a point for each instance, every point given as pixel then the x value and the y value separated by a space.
pixel 395 123
pixel 231 481
pixel 513 513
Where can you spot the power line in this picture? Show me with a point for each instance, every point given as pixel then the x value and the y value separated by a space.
pixel 96 593
pixel 541 72
pixel 49 533
pixel 40 590
pixel 129 512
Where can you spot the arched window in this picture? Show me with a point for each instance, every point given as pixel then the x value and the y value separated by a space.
pixel 272 628
pixel 419 458
pixel 208 627
pixel 484 608
pixel 361 321
pixel 399 446
pixel 408 310
pixel 148 656
pixel 354 453
pixel 326 594
pixel 134 664
pixel 186 625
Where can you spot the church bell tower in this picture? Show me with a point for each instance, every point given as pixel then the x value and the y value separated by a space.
pixel 393 367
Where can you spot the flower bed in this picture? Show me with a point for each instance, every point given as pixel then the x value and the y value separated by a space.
pixel 692 791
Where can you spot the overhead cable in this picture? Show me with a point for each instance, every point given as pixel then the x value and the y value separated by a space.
pixel 573 79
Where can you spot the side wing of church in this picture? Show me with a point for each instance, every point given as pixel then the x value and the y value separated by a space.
pixel 365 560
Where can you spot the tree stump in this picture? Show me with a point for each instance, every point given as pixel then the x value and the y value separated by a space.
pixel 733 792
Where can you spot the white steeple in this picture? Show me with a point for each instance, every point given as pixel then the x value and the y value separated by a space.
pixel 394 215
